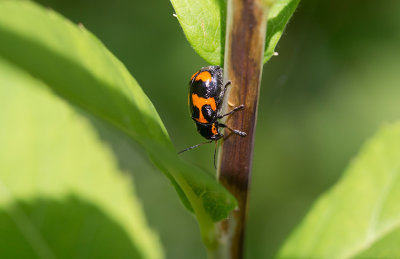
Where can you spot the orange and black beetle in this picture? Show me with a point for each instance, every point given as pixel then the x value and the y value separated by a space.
pixel 206 95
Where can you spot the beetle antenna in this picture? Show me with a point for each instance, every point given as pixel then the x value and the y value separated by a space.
pixel 215 152
pixel 189 148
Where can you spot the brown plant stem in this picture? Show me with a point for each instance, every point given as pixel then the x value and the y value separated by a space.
pixel 245 40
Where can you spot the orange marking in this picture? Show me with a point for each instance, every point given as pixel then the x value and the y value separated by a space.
pixel 204 76
pixel 214 130
pixel 193 76
pixel 200 102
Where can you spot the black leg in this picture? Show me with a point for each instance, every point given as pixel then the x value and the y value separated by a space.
pixel 237 132
pixel 238 108
pixel 222 93
pixel 228 83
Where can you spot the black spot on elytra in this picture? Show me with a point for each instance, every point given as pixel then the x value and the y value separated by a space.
pixel 208 113
pixel 195 112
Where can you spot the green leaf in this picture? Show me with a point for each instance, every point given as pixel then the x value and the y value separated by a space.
pixel 360 215
pixel 203 23
pixel 278 16
pixel 78 68
pixel 61 192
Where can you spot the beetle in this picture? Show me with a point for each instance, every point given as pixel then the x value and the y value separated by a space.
pixel 206 95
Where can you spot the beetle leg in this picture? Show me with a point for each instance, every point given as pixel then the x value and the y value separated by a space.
pixel 228 83
pixel 238 108
pixel 222 93
pixel 237 132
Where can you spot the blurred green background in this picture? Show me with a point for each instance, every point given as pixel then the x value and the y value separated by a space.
pixel 335 81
